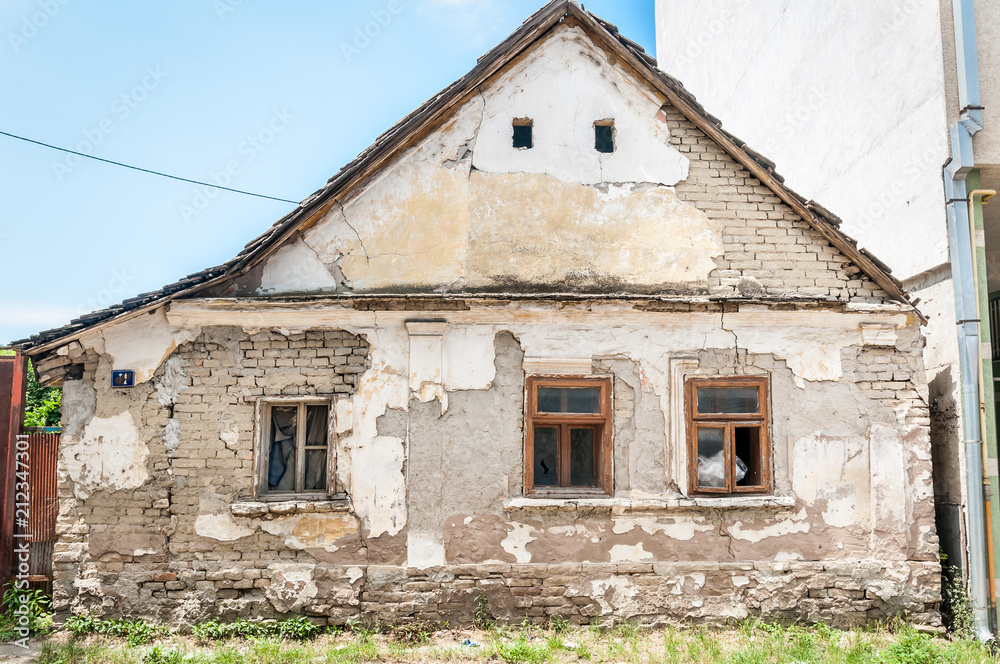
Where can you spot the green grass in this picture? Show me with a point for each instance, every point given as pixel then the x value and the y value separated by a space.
pixel 752 642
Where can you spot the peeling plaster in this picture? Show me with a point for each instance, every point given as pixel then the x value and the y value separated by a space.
pixel 295 268
pixel 109 455
pixel 834 472
pixel 516 541
pixel 312 531
pixel 464 209
pixel 794 524
pixel 292 586
pixel 140 344
pixel 679 529
pixel 614 594
pixel 424 550
pixel 625 553
pixel 221 526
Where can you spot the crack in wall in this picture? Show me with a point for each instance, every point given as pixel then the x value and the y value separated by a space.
pixel 343 214
pixel 736 338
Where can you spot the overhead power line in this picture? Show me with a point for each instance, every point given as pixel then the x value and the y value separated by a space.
pixel 146 170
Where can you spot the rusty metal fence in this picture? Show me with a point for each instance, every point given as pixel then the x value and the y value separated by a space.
pixel 43 502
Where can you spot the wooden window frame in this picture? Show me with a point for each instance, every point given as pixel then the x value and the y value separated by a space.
pixel 729 422
pixel 603 454
pixel 262 444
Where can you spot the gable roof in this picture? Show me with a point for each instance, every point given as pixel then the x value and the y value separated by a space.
pixel 405 132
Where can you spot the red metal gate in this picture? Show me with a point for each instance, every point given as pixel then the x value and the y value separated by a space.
pixel 43 502
pixel 26 456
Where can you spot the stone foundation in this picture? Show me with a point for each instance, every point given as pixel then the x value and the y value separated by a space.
pixel 843 594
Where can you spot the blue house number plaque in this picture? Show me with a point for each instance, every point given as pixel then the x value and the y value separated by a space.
pixel 123 378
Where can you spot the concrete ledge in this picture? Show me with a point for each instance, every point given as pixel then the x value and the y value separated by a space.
pixel 649 505
pixel 268 510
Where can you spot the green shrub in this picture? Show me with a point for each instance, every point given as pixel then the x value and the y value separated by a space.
pixel 911 647
pixel 294 629
pixel 26 608
pixel 135 632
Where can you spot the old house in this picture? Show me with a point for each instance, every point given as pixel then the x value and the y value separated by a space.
pixel 556 340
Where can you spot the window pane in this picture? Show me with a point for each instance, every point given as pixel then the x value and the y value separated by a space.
pixel 604 138
pixel 728 400
pixel 522 136
pixel 749 461
pixel 316 425
pixel 546 466
pixel 569 400
pixel 315 470
pixel 581 457
pixel 711 457
pixel 281 458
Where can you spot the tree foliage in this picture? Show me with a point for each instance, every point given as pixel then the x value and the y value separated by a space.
pixel 41 407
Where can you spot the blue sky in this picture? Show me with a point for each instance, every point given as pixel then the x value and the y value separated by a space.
pixel 281 94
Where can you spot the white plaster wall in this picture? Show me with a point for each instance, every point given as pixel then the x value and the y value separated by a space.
pixel 846 97
pixel 986 144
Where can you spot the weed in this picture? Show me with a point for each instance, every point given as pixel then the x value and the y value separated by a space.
pixel 364 629
pixel 135 632
pixel 911 647
pixel 956 607
pixel 522 652
pixel 558 624
pixel 26 612
pixel 158 655
pixel 296 629
pixel 484 617
pixel 414 632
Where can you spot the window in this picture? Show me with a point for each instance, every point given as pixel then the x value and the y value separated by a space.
pixel 604 135
pixel 294 447
pixel 522 133
pixel 727 421
pixel 568 436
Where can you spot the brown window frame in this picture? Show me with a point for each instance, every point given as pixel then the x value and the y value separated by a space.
pixel 603 453
pixel 262 448
pixel 729 422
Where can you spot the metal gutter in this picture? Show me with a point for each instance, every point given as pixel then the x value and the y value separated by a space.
pixel 966 309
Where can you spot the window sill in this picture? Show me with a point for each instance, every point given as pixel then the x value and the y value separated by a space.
pixel 265 509
pixel 615 506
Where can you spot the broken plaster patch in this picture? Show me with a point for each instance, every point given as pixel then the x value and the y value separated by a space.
pixel 142 343
pixel 221 526
pixel 312 531
pixel 794 524
pixel 295 268
pixel 292 586
pixel 109 455
pixel 516 541
pixel 625 553
pixel 614 594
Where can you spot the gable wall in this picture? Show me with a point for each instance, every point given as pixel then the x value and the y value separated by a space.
pixel 668 212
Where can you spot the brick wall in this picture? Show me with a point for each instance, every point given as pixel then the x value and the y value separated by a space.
pixel 763 237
